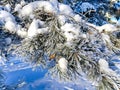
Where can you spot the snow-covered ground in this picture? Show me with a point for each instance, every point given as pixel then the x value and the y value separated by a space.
pixel 26 77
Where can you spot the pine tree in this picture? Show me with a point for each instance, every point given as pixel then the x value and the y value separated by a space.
pixel 71 46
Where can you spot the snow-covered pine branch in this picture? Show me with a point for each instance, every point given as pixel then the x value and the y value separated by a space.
pixel 51 29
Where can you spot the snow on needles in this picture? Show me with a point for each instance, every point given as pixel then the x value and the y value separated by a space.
pixel 51 6
pixel 34 28
pixel 104 67
pixel 41 5
pixel 8 20
pixel 63 63
pixel 62 11
pixel 47 6
pixel 71 32
pixel 107 28
pixel 65 29
pixel 6 16
pixel 66 10
pixel 87 6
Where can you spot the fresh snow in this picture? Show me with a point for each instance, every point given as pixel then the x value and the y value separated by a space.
pixel 104 67
pixel 8 7
pixel 77 18
pixel 18 7
pixel 107 28
pixel 65 9
pixel 11 26
pixel 6 16
pixel 22 32
pixel 8 20
pixel 34 28
pixel 63 64
pixel 86 7
pixel 70 30
pixel 40 5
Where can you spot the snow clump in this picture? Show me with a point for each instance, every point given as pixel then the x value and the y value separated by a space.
pixel 42 5
pixel 35 30
pixel 8 20
pixel 63 63
pixel 86 7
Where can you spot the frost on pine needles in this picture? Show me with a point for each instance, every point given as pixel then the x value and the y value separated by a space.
pixel 53 33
